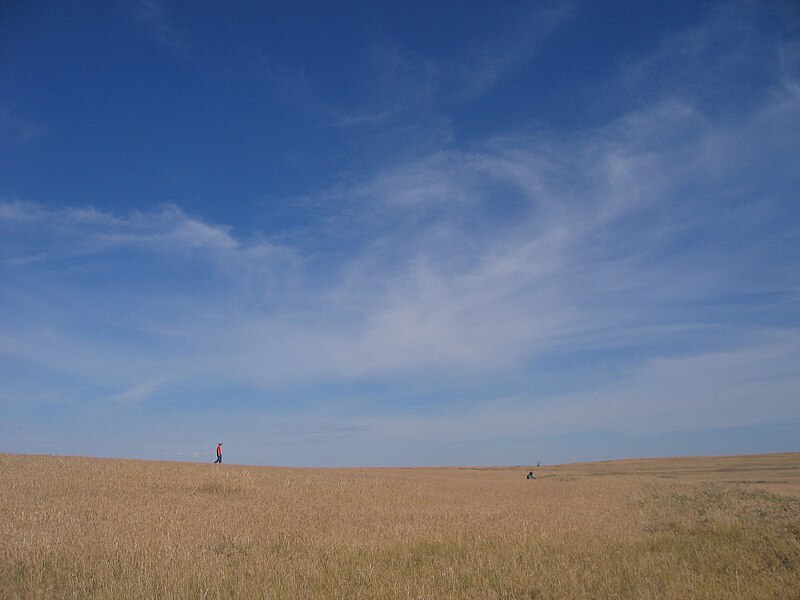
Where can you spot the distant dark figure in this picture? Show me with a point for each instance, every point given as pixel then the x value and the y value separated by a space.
pixel 530 475
pixel 219 453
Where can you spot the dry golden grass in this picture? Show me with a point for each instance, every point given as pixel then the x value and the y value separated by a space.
pixel 666 528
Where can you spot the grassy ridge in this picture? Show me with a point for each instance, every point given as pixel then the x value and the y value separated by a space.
pixel 677 528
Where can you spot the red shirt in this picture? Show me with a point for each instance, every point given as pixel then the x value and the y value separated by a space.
pixel 219 449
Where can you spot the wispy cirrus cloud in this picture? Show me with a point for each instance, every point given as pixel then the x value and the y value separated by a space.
pixel 154 21
pixel 489 60
pixel 86 230
pixel 405 85
pixel 20 125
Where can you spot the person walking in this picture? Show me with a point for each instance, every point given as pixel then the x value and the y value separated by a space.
pixel 219 453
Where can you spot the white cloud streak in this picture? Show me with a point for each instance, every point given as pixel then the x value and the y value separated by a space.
pixel 151 17
pixel 403 82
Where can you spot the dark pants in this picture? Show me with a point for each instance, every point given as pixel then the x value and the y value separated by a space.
pixel 219 459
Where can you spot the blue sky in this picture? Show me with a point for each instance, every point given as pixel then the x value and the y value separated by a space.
pixel 434 233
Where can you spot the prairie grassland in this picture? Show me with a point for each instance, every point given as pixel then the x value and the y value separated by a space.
pixel 665 528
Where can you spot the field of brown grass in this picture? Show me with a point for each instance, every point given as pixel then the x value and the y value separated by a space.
pixel 663 528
